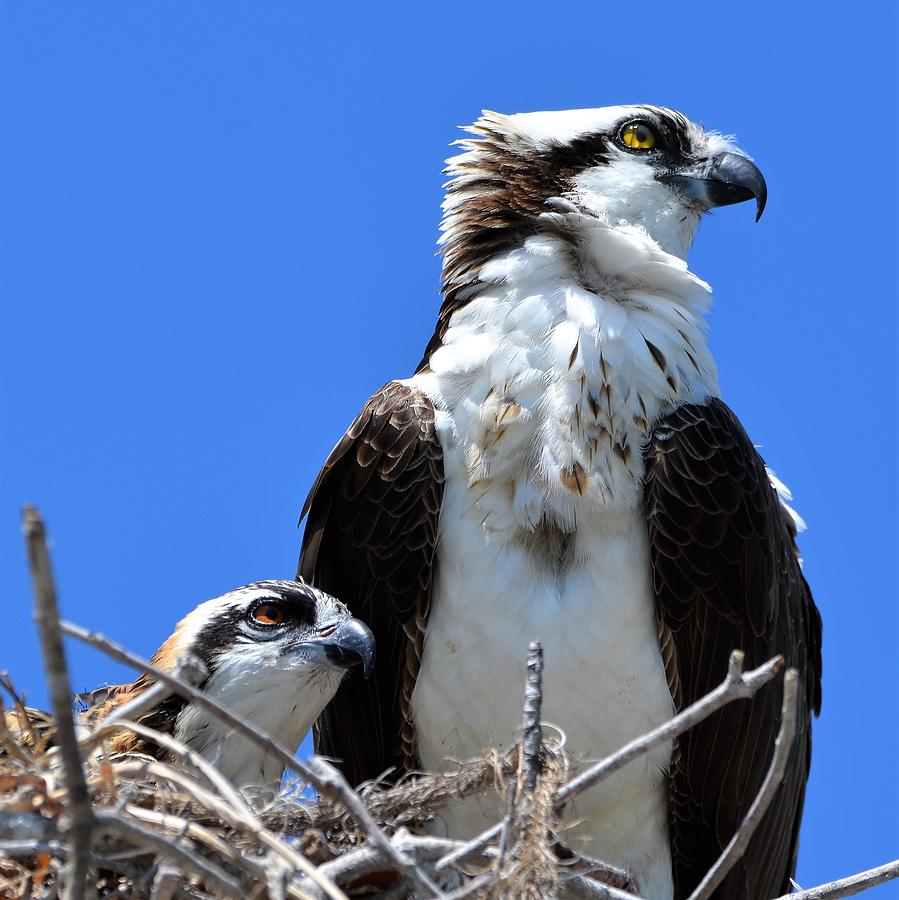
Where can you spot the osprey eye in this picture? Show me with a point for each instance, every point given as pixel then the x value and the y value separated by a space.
pixel 268 614
pixel 638 136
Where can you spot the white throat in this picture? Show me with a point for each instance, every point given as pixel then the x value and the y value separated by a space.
pixel 550 378
pixel 628 194
pixel 279 699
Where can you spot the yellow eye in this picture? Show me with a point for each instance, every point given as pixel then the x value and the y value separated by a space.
pixel 638 135
pixel 269 614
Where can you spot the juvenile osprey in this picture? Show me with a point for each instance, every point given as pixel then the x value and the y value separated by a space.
pixel 561 467
pixel 275 652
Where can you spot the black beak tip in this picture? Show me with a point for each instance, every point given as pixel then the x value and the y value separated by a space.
pixel 352 646
pixel 737 177
pixel 727 178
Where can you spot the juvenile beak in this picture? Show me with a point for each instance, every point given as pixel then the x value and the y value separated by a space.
pixel 721 180
pixel 352 644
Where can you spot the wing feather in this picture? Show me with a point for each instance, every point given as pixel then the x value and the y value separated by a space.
pixel 727 576
pixel 370 538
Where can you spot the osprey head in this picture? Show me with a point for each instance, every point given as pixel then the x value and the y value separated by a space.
pixel 286 632
pixel 275 653
pixel 646 167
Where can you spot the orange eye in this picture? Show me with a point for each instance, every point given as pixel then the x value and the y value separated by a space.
pixel 269 614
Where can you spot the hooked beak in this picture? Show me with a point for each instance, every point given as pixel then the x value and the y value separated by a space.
pixel 350 645
pixel 721 180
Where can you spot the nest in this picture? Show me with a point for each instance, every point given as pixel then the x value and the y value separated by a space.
pixel 80 819
pixel 172 829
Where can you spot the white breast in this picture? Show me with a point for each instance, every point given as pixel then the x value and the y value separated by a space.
pixel 545 390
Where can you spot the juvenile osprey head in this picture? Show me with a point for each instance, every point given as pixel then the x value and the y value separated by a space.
pixel 275 652
pixel 642 167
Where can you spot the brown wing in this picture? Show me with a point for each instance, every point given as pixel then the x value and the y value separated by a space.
pixel 162 717
pixel 370 538
pixel 727 576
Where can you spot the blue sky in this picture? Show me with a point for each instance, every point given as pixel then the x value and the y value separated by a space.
pixel 218 227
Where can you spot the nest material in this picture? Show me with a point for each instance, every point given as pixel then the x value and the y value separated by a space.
pixel 163 831
pixel 119 823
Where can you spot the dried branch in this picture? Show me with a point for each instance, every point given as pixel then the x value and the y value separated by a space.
pixel 232 809
pixel 357 863
pixel 177 748
pixel 188 668
pixel 46 615
pixel 181 827
pixel 475 846
pixel 10 744
pixel 165 882
pixel 239 818
pixel 212 875
pixel 29 848
pixel 532 733
pixel 506 824
pixel 468 890
pixel 736 686
pixel 337 787
pixel 584 888
pixel 737 845
pixel 414 797
pixel 25 722
pixel 26 826
pixel 848 887
pixel 578 864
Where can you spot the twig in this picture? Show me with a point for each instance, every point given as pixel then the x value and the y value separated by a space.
pixel 9 742
pixel 27 825
pixel 327 780
pixel 737 845
pixel 506 826
pixel 240 818
pixel 584 888
pixel 736 686
pixel 532 733
pixel 165 881
pixel 46 615
pixel 180 827
pixel 473 887
pixel 338 787
pixel 848 887
pixel 421 794
pixel 176 747
pixel 212 875
pixel 29 848
pixel 189 668
pixel 356 863
pixel 521 791
pixel 25 722
pixel 578 864
pixel 475 845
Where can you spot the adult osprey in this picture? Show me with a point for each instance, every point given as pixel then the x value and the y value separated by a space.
pixel 561 467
